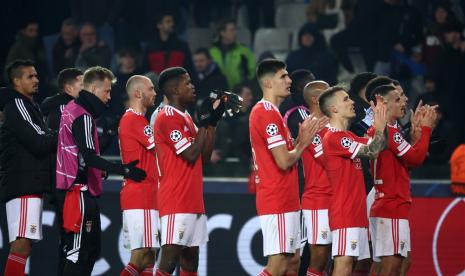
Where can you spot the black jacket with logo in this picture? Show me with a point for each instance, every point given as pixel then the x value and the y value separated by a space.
pixel 26 147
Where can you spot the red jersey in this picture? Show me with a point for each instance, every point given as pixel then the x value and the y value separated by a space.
pixel 277 189
pixel 137 143
pixel 344 171
pixel 391 175
pixel 181 187
pixel 317 191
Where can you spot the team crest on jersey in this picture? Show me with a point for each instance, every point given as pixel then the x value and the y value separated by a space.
pixel 89 226
pixel 316 140
pixel 148 131
pixel 175 136
pixel 324 234
pixel 272 129
pixel 346 142
pixel 398 138
pixel 33 228
pixel 353 245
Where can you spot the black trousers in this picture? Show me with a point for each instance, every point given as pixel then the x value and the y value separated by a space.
pixel 81 250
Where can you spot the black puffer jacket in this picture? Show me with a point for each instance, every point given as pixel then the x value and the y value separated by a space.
pixel 26 147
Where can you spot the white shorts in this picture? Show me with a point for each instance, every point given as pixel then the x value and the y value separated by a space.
pixel 24 216
pixel 140 228
pixel 392 236
pixel 370 201
pixel 351 242
pixel 280 233
pixel 317 223
pixel 184 229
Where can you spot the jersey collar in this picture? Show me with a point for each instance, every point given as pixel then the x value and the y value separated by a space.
pixel 133 111
pixel 272 104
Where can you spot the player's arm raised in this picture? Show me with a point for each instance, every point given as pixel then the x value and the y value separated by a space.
pixel 284 158
pixel 378 142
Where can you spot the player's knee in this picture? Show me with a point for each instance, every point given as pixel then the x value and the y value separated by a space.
pixel 21 246
pixel 293 264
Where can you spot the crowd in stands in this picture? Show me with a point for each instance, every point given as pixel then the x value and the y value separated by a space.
pixel 419 43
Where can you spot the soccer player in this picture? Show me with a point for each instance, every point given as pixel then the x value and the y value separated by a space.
pixel 342 149
pixel 275 157
pixel 317 193
pixel 26 149
pixel 79 171
pixel 389 212
pixel 139 199
pixel 181 147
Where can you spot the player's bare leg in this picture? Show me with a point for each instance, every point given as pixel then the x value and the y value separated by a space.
pixel 364 267
pixel 20 249
pixel 319 255
pixel 375 268
pixel 22 246
pixel 142 257
pixel 343 265
pixel 189 259
pixel 149 262
pixel 277 264
pixel 405 265
pixel 390 265
pixel 170 256
pixel 293 264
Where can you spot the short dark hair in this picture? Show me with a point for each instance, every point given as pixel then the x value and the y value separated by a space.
pixel 395 82
pixel 162 14
pixel 223 23
pixel 360 81
pixel 168 75
pixel 15 69
pixel 378 81
pixel 299 79
pixel 326 97
pixel 203 51
pixel 269 66
pixel 97 73
pixel 382 90
pixel 67 76
pixel 69 22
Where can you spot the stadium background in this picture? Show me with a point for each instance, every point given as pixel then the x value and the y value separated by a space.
pixel 438 239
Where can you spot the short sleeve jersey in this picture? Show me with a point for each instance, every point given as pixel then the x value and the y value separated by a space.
pixel 181 187
pixel 344 171
pixel 277 189
pixel 137 143
pixel 317 190
pixel 391 176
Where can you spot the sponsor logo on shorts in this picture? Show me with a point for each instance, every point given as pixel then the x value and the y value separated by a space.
pixel 181 234
pixel 353 245
pixel 291 242
pixel 88 226
pixel 402 245
pixel 33 228
pixel 324 234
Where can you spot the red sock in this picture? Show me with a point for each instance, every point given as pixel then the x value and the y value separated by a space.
pixel 148 271
pixel 161 273
pixel 264 273
pixel 15 265
pixel 360 273
pixel 311 272
pixel 130 270
pixel 187 273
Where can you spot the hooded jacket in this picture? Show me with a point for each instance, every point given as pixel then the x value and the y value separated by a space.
pixel 26 147
pixel 315 58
